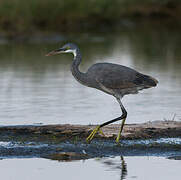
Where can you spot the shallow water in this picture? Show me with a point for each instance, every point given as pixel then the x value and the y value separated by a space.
pixel 163 147
pixel 102 168
pixel 133 159
pixel 38 89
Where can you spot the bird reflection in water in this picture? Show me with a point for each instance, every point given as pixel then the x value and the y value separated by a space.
pixel 113 164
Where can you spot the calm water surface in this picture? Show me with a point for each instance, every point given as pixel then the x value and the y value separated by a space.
pixel 105 168
pixel 39 89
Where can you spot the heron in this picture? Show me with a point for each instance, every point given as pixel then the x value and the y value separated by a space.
pixel 113 79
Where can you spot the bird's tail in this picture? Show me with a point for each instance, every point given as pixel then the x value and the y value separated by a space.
pixel 150 81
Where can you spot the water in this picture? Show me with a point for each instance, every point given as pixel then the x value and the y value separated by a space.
pixel 38 89
pixel 163 147
pixel 105 168
pixel 132 160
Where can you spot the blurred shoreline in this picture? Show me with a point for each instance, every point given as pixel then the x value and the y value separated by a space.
pixel 20 18
pixel 141 25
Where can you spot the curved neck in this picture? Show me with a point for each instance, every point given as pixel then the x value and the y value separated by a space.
pixel 79 76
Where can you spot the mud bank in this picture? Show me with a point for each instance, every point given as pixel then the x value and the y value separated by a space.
pixel 64 132
pixel 67 142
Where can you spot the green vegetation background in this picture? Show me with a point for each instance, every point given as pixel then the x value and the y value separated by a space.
pixel 67 15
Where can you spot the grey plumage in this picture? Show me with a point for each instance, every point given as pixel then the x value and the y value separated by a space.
pixel 118 80
pixel 113 79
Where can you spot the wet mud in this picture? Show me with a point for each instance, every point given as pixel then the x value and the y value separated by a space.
pixel 67 142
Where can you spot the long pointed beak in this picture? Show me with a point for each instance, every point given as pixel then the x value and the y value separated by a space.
pixel 57 51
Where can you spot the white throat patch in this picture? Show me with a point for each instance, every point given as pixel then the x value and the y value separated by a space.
pixel 71 51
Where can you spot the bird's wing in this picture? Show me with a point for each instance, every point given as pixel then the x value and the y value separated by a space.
pixel 114 76
pixel 119 78
pixel 129 80
pixel 116 82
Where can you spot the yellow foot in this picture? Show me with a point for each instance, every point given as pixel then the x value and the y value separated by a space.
pixel 117 139
pixel 92 134
pixel 120 131
pixel 101 132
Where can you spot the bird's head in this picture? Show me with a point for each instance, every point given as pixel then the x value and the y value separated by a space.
pixel 67 48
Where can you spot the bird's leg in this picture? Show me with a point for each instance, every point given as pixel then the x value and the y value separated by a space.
pixel 123 121
pixel 120 130
pixel 92 134
pixel 123 116
pixel 90 137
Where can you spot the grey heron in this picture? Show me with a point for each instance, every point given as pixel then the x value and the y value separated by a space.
pixel 113 79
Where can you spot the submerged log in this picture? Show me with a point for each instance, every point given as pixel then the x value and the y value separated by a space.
pixel 67 142
pixel 64 132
